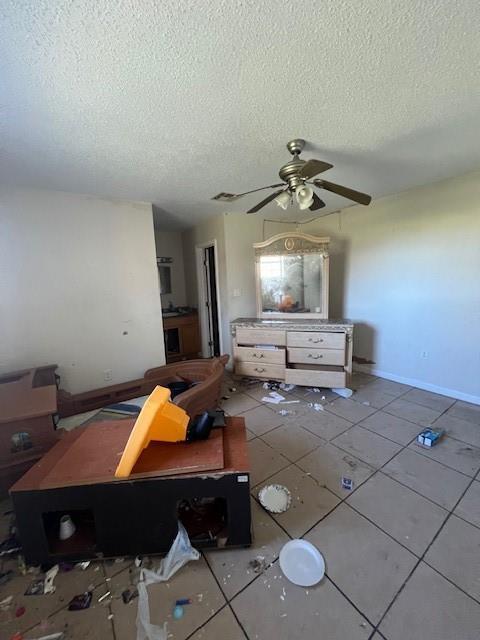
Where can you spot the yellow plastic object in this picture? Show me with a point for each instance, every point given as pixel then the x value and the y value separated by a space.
pixel 159 419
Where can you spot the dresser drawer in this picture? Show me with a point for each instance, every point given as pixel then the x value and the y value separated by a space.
pixel 317 356
pixel 318 339
pixel 260 370
pixel 334 377
pixel 263 356
pixel 261 336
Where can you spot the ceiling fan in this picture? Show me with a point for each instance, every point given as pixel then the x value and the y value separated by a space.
pixel 297 174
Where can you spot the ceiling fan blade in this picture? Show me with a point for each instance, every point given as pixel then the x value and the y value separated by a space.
pixel 314 167
pixel 231 197
pixel 351 194
pixel 317 203
pixel 268 199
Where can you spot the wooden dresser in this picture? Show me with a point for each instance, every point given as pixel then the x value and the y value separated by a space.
pixel 314 353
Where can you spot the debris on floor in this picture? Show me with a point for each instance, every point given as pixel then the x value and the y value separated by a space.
pixel 347 483
pixel 182 602
pixel 83 565
pixel 286 412
pixel 271 384
pixel 259 564
pixel 316 405
pixel 273 397
pixel 48 586
pixel 35 588
pixel 345 393
pixel 429 437
pixel 6 576
pixel 301 563
pixel 80 602
pixel 128 595
pixel 6 603
pixel 275 498
pixel 286 387
pixel 177 612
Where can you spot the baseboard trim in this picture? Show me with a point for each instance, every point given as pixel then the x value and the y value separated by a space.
pixel 420 384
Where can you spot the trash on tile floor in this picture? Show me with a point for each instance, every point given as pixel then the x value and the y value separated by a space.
pixel 286 412
pixel 232 389
pixel 128 595
pixel 273 397
pixel 275 498
pixel 83 565
pixel 19 612
pixel 35 588
pixel 271 384
pixel 180 553
pixel 259 564
pixel 183 601
pixel 301 563
pixel 429 437
pixel 286 387
pixel 104 597
pixel 48 586
pixel 345 393
pixel 316 405
pixel 366 403
pixel 6 603
pixel 51 636
pixel 290 402
pixel 6 576
pixel 347 483
pixel 80 602
pixel 177 612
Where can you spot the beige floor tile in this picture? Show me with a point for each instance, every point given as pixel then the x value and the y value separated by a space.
pixel 431 608
pixel 112 567
pixel 238 403
pixel 349 409
pixel 428 399
pixel 91 624
pixel 308 394
pixel 194 581
pixel 250 435
pixel 422 416
pixel 367 446
pixel 261 419
pixel 328 464
pixel 372 397
pixel 291 441
pixel 429 478
pixel 223 626
pixel 360 379
pixel 465 411
pixel 469 506
pixel 456 554
pixel 264 461
pixel 323 424
pixel 391 427
pixel 367 565
pixel 388 386
pixel 232 566
pixel 37 608
pixel 310 501
pixel 460 429
pixel 454 453
pixel 274 608
pixel 409 518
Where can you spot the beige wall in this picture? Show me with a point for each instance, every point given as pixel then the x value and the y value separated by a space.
pixel 169 244
pixel 406 269
pixel 78 286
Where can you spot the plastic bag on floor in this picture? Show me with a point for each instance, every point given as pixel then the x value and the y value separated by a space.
pixel 180 553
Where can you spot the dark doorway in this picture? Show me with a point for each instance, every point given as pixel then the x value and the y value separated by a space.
pixel 211 301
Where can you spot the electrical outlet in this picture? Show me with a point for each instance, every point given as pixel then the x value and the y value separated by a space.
pixel 107 375
pixel 424 354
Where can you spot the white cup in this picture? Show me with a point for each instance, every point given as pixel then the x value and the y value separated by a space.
pixel 67 528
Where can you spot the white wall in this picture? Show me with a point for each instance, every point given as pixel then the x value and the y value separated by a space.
pixel 406 269
pixel 169 244
pixel 78 287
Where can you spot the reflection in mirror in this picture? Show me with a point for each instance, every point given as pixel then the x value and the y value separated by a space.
pixel 291 283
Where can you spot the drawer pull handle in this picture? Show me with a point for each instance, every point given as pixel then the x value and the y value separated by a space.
pixel 259 369
pixel 256 355
pixel 316 356
pixel 315 340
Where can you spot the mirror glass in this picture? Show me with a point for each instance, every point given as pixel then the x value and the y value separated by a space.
pixel 291 283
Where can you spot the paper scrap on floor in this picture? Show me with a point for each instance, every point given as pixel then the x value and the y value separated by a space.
pixel 273 398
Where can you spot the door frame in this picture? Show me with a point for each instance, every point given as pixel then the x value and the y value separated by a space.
pixel 202 295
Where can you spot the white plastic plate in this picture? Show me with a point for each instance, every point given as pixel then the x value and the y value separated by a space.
pixel 302 563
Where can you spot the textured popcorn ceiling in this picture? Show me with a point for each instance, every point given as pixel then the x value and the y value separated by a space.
pixel 171 101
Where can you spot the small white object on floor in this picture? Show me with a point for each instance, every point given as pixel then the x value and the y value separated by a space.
pixel 275 498
pixel 290 402
pixel 285 412
pixel 366 403
pixel 316 405
pixel 48 586
pixel 302 563
pixel 83 565
pixel 273 398
pixel 286 387
pixel 345 393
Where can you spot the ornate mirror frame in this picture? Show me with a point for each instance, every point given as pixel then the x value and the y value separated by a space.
pixel 293 244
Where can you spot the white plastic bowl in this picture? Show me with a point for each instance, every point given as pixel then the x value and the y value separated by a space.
pixel 302 563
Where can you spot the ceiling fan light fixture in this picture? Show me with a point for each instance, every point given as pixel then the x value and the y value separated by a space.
pixel 283 200
pixel 304 196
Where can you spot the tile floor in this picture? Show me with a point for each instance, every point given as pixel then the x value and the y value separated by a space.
pixel 402 550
